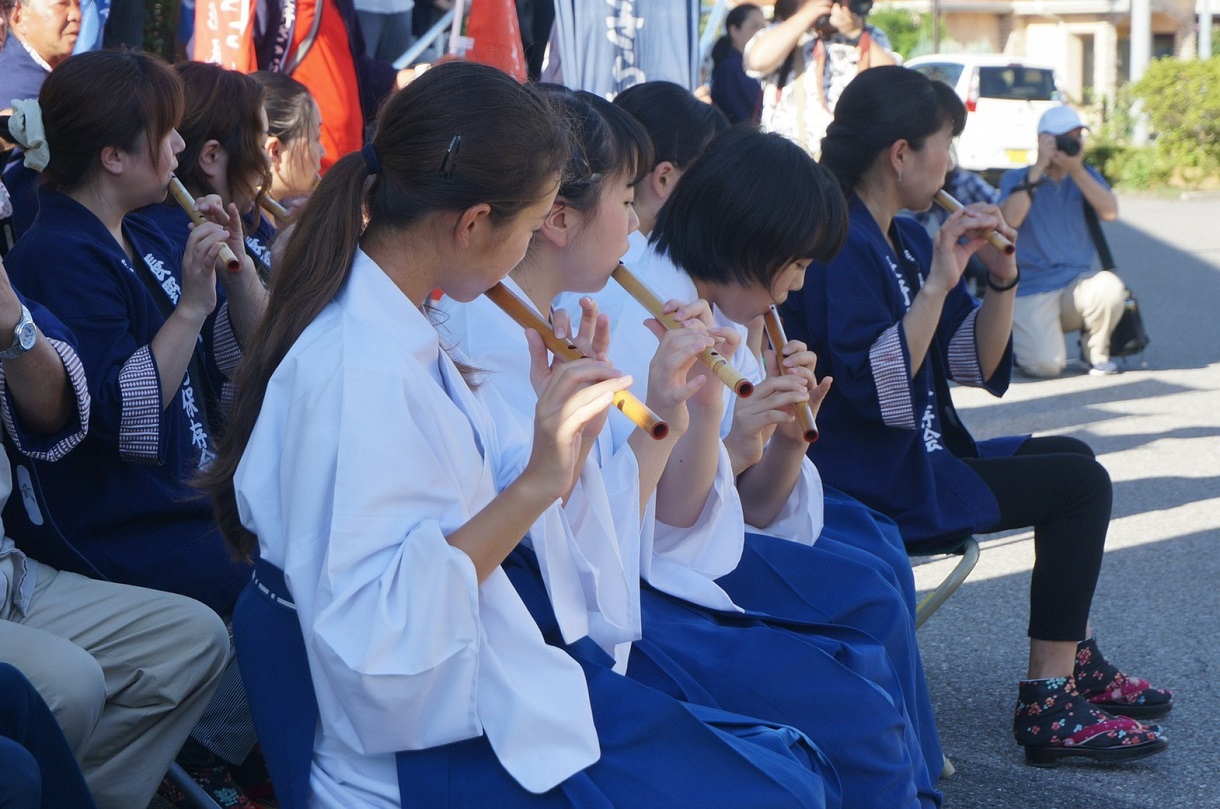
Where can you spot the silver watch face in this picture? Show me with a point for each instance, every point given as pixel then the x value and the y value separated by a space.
pixel 26 334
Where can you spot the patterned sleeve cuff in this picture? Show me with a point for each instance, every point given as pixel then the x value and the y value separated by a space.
pixel 964 367
pixel 140 423
pixel 224 343
pixel 80 392
pixel 893 381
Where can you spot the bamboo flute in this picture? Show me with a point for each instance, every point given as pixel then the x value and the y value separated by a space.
pixel 183 198
pixel 775 332
pixel 945 200
pixel 721 367
pixel 639 413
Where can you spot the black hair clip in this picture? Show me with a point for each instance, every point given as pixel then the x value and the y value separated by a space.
pixel 450 159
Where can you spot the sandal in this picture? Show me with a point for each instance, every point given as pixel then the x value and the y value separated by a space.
pixel 1053 721
pixel 1102 684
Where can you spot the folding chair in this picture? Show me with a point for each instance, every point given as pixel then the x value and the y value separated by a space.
pixel 196 797
pixel 967 548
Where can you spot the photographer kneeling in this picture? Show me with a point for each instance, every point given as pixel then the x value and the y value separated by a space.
pixel 805 61
pixel 1059 292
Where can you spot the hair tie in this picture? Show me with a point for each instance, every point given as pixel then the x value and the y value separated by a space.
pixel 370 158
pixel 26 128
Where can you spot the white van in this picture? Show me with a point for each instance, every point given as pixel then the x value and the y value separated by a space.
pixel 1004 96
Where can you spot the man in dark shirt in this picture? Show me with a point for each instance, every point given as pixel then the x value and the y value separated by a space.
pixel 41 34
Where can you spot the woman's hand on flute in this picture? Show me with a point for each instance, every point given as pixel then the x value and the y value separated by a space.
pixel 697 316
pixel 978 222
pixel 672 375
pixel 197 296
pixel 213 210
pixel 592 334
pixel 573 402
pixel 798 363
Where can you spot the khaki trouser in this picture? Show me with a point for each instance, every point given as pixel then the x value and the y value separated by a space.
pixel 127 672
pixel 1092 304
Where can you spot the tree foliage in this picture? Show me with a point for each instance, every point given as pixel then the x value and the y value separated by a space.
pixel 1182 101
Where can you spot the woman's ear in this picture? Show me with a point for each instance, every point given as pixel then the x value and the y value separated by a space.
pixel 471 225
pixel 900 153
pixel 560 224
pixel 663 179
pixel 211 161
pixel 113 160
pixel 275 151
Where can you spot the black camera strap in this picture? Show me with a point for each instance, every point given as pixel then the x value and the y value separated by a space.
pixel 1099 238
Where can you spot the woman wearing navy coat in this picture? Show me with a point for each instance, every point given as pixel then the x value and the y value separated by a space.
pixel 891 320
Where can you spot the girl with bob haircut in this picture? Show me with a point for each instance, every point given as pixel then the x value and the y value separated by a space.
pixel 294 138
pixel 749 212
pixel 224 127
pixel 393 630
pixel 696 645
pixel 160 334
pixel 890 318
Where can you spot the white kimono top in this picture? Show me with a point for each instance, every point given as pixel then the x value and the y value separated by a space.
pixel 593 580
pixel 631 348
pixel 369 449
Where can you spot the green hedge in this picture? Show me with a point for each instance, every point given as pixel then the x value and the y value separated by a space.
pixel 1182 101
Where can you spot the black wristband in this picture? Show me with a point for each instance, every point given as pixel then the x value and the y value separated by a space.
pixel 1030 187
pixel 993 285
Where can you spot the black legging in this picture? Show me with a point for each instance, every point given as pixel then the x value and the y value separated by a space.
pixel 1055 485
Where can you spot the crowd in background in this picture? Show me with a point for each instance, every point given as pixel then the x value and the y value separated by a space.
pixel 288 501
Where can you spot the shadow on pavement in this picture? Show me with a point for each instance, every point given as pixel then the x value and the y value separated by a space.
pixel 1154 614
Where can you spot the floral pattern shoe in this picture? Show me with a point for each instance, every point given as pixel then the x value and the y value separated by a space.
pixel 1054 722
pixel 1114 692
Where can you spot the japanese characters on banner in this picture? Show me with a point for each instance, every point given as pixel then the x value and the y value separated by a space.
pixel 224 33
pixel 606 46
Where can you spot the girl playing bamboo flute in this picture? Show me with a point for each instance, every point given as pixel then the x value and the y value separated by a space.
pixel 834 683
pixel 817 557
pixel 381 538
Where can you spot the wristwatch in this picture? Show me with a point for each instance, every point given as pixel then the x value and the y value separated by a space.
pixel 24 335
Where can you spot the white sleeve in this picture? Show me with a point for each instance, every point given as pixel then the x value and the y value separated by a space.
pixel 388 608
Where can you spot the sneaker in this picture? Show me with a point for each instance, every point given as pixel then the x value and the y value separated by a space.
pixel 1106 368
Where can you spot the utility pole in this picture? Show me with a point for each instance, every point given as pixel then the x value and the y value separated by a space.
pixel 1205 29
pixel 1141 55
pixel 936 26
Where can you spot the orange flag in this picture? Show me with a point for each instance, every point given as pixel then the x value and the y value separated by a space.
pixel 493 26
pixel 224 33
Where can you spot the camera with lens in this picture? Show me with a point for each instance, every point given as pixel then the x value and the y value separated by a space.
pixel 1068 145
pixel 860 8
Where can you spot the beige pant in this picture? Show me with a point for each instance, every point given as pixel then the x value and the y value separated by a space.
pixel 1092 304
pixel 127 671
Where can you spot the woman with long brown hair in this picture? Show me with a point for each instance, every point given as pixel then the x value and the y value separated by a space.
pixel 382 497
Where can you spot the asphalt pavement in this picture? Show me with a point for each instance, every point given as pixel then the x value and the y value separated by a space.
pixel 1156 428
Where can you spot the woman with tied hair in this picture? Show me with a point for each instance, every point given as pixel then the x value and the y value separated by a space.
pixel 224 127
pixel 891 320
pixel 737 95
pixel 381 539
pixel 160 332
pixel 294 138
pixel 696 644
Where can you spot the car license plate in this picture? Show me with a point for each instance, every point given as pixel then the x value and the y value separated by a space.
pixel 1018 155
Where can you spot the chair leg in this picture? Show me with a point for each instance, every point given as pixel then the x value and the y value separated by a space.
pixel 196 797
pixel 933 600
